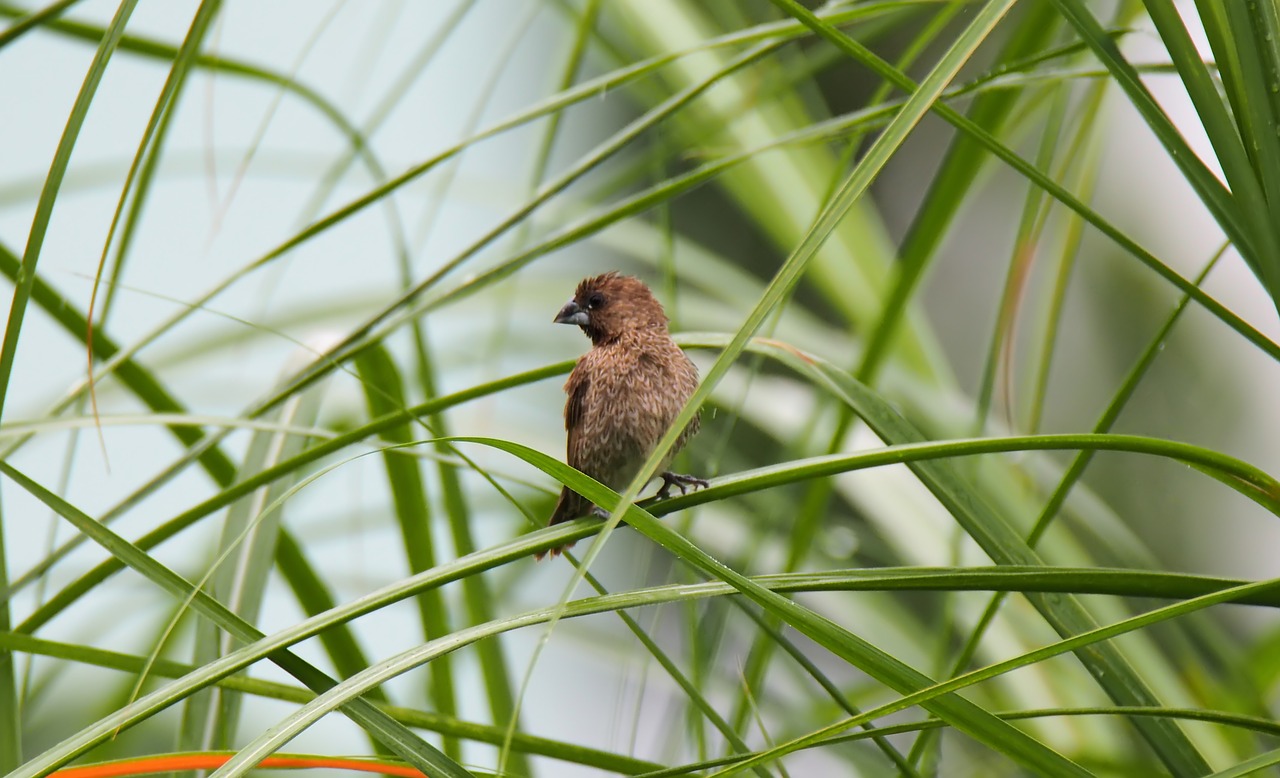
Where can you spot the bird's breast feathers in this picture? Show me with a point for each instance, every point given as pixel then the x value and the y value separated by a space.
pixel 622 398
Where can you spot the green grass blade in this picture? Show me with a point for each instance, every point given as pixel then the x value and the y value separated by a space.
pixel 1091 639
pixel 1254 29
pixel 49 194
pixel 1007 155
pixel 246 555
pixel 1252 243
pixel 947 190
pixel 961 713
pixel 384 393
pixel 1223 133
pixel 10 712
pixel 86 583
pixel 388 731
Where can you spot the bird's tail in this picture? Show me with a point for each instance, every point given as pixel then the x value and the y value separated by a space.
pixel 570 506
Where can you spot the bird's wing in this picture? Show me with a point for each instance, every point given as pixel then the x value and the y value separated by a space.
pixel 575 411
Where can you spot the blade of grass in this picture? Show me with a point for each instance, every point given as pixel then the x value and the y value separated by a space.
pixel 1030 229
pixel 1007 155
pixel 1086 640
pixel 146 159
pixel 1254 29
pixel 1252 238
pixel 809 517
pixel 268 690
pixel 962 714
pixel 949 187
pixel 10 713
pixel 250 534
pixel 86 583
pixel 384 393
pixel 388 731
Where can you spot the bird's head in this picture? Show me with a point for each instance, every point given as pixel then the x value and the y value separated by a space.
pixel 606 306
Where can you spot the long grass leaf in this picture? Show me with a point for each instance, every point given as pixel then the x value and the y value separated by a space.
pixel 962 714
pixel 384 393
pixel 388 731
pixel 1252 242
pixel 10 712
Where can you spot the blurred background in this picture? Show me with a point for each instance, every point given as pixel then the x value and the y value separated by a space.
pixel 1023 321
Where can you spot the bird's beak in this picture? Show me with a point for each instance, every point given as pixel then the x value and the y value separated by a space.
pixel 572 313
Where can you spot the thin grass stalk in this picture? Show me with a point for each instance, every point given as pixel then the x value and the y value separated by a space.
pixel 10 712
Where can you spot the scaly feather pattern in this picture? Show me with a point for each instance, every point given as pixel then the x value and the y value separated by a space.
pixel 625 392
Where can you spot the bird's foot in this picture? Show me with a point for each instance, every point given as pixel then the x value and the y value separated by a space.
pixel 684 482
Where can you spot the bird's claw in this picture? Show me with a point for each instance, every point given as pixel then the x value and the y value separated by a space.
pixel 684 482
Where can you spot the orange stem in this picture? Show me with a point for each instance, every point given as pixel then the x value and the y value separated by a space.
pixel 171 762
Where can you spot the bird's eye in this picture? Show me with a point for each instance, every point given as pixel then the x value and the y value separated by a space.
pixel 595 301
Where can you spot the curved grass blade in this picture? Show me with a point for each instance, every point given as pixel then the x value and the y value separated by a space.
pixel 269 690
pixel 958 711
pixel 1091 639
pixel 384 393
pixel 250 536
pixel 1004 545
pixel 72 592
pixel 10 712
pixel 1055 190
pixel 388 731
pixel 1132 583
pixel 1244 222
pixel 145 159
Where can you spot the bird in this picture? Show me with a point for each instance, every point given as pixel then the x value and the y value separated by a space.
pixel 624 393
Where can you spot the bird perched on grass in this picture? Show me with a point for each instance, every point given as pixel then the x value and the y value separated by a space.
pixel 625 392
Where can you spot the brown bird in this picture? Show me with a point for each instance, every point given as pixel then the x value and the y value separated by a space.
pixel 625 392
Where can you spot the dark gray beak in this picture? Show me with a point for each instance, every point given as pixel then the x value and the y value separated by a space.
pixel 572 313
